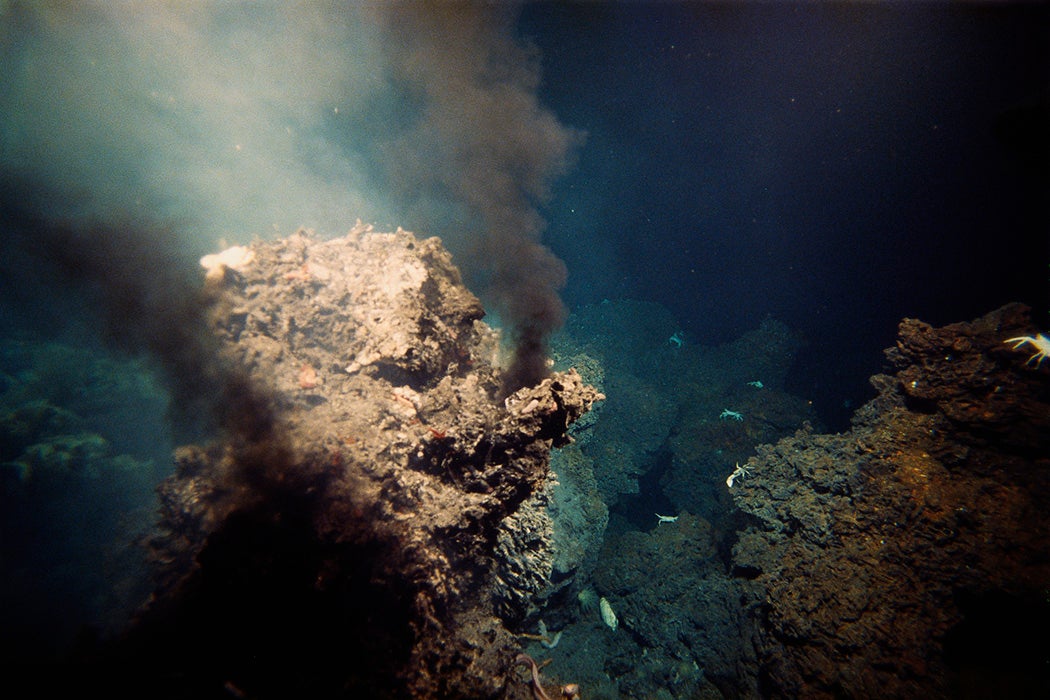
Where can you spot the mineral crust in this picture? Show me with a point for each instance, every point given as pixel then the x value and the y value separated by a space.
pixel 907 557
pixel 340 543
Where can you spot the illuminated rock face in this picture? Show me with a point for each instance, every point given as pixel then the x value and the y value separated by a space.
pixel 906 554
pixel 344 541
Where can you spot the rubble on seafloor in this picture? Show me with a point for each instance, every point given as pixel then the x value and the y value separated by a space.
pixel 344 547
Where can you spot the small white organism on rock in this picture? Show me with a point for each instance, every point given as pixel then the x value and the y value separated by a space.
pixel 1041 342
pixel 739 472
pixel 726 413
pixel 547 638
pixel 757 384
pixel 661 519
pixel 608 616
pixel 234 258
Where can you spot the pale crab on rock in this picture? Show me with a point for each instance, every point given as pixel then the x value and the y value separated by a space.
pixel 1041 342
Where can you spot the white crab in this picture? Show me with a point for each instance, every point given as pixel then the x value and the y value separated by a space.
pixel 738 473
pixel 1041 342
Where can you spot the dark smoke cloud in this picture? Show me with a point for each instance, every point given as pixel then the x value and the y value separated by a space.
pixel 483 137
pixel 143 298
pixel 207 123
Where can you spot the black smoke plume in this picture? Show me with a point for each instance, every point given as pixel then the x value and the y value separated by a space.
pixel 136 137
pixel 140 296
pixel 211 123
pixel 483 137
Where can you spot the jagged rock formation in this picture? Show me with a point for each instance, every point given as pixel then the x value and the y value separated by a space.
pixel 908 556
pixel 341 543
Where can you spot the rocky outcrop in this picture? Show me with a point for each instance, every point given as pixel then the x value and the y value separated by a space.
pixel 907 557
pixel 342 545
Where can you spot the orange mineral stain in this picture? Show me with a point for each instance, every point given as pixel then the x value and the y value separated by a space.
pixel 308 378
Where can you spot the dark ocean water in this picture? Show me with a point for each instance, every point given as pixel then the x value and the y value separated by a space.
pixel 837 166
pixel 832 167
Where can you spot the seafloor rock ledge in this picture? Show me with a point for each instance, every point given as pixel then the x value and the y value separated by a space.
pixel 908 556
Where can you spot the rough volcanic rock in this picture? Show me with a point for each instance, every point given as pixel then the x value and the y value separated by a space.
pixel 675 601
pixel 908 557
pixel 345 546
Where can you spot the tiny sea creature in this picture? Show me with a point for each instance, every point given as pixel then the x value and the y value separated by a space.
pixel 300 275
pixel 608 616
pixel 235 258
pixel 738 472
pixel 547 638
pixel 407 399
pixel 677 339
pixel 757 384
pixel 537 685
pixel 308 378
pixel 1041 342
pixel 726 413
pixel 661 519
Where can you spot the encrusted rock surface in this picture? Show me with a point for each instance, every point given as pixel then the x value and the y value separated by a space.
pixel 345 547
pixel 908 556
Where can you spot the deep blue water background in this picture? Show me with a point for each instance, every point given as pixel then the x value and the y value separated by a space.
pixel 836 166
